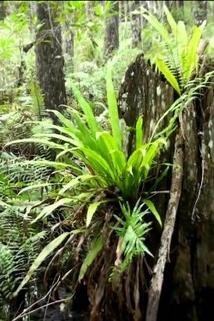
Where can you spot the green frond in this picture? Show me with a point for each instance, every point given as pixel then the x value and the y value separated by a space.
pixel 132 230
pixel 178 59
pixel 47 250
pixel 95 248
pixel 113 110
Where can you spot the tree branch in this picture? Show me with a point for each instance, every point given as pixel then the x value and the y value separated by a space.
pixel 175 193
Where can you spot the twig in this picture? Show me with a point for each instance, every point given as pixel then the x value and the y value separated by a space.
pixel 175 193
pixel 21 315
pixel 199 190
pixel 43 306
pixel 49 297
pixel 55 256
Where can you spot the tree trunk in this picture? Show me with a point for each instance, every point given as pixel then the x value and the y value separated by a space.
pixel 175 4
pixel 125 5
pixel 3 12
pixel 49 58
pixel 200 12
pixel 32 14
pixel 126 301
pixel 89 10
pixel 136 24
pixel 111 41
pixel 69 45
pixel 188 280
pixel 184 254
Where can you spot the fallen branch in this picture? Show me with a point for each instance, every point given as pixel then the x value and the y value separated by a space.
pixel 166 237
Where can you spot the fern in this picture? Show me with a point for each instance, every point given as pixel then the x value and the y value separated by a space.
pixel 179 59
pixel 18 171
pixel 20 243
pixel 132 229
pixel 96 170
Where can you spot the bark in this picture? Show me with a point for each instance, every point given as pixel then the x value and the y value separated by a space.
pixel 136 24
pixel 126 11
pixel 177 9
pixel 143 93
pixel 68 39
pixel 111 41
pixel 188 284
pixel 166 238
pixel 193 274
pixel 90 14
pixel 69 45
pixel 200 12
pixel 122 11
pixel 175 4
pixel 155 7
pixel 49 58
pixel 89 10
pixel 3 12
pixel 32 14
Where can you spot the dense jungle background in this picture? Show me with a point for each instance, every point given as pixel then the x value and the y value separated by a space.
pixel 106 160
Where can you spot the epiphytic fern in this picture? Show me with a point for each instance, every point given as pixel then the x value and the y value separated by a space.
pixel 179 58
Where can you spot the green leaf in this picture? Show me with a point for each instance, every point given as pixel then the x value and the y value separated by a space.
pixel 91 120
pixel 91 210
pixel 192 51
pixel 95 248
pixel 110 152
pixel 164 69
pixel 36 141
pixel 48 249
pixel 158 26
pixel 136 158
pixel 113 110
pixel 150 155
pixel 99 164
pixel 66 122
pixel 3 204
pixel 153 210
pixel 74 182
pixel 171 20
pixel 54 164
pixel 60 137
pixel 50 208
pixel 29 188
pixel 139 132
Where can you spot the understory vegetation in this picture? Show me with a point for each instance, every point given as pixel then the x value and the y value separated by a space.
pixel 76 207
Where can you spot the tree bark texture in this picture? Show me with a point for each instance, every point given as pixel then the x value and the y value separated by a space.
pixel 188 280
pixel 174 4
pixel 111 41
pixel 136 24
pixel 200 11
pixel 49 58
pixel 90 10
pixel 3 12
pixel 69 45
pixel 166 237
